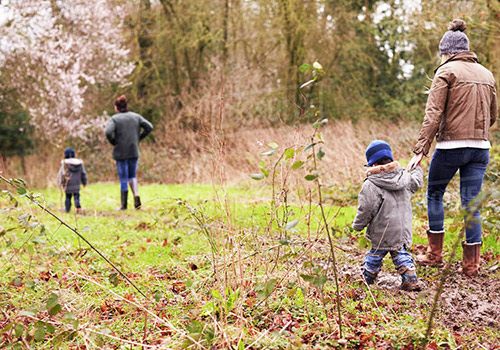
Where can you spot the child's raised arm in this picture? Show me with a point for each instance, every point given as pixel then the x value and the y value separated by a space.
pixel 417 178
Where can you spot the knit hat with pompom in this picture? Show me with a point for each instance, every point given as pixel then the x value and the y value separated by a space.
pixel 454 40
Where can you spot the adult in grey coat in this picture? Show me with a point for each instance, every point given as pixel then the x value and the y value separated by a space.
pixel 385 210
pixel 124 131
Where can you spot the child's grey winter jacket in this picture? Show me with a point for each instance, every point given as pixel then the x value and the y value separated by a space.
pixel 385 205
pixel 71 175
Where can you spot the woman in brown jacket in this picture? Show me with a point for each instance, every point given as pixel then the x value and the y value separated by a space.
pixel 461 107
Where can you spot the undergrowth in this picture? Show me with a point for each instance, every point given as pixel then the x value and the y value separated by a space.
pixel 269 264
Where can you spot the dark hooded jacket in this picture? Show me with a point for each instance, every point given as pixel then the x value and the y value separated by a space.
pixel 385 205
pixel 71 175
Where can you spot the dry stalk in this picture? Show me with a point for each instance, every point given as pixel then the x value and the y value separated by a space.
pixel 330 241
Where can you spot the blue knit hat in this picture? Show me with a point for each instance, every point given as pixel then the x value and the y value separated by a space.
pixel 454 40
pixel 378 150
pixel 69 153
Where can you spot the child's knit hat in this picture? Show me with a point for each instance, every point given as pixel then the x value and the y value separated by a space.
pixel 378 150
pixel 69 153
pixel 454 40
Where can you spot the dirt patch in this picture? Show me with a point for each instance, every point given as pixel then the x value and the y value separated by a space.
pixel 466 304
pixel 470 300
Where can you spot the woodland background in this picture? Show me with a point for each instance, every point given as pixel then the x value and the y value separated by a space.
pixel 225 72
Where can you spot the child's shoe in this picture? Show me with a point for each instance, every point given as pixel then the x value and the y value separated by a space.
pixel 410 282
pixel 369 277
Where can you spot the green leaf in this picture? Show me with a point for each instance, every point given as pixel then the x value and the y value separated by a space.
pixel 307 278
pixel 241 345
pixel 55 310
pixel 311 177
pixel 21 190
pixel 265 289
pixel 289 153
pixel 268 153
pixel 264 172
pixel 114 279
pixel 319 123
pixel 320 154
pixel 310 146
pixel 273 145
pixel 69 316
pixel 319 281
pixel 7 328
pixel 40 333
pixel 362 242
pixel 158 295
pixel 297 165
pixel 291 224
pixel 305 67
pixel 257 176
pixel 215 293
pixel 50 328
pixel 52 301
pixel 18 330
pixel 194 327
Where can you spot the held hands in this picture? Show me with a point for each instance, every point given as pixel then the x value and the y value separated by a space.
pixel 415 161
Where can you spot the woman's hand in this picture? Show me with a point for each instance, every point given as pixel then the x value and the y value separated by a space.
pixel 415 161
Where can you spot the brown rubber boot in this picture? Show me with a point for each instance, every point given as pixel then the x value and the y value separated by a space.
pixel 470 261
pixel 433 256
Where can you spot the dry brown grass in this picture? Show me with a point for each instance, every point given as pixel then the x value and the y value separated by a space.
pixel 181 156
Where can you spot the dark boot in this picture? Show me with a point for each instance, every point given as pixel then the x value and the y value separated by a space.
pixel 369 277
pixel 409 281
pixel 470 261
pixel 124 200
pixel 137 202
pixel 434 254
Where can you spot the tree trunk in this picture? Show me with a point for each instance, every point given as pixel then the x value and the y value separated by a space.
pixel 493 40
pixel 3 166
pixel 225 21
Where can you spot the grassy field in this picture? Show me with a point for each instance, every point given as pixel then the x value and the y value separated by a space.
pixel 228 268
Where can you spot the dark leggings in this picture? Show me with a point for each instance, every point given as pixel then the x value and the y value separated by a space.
pixel 67 203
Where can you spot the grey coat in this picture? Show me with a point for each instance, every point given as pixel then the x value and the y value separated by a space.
pixel 385 205
pixel 124 131
pixel 71 175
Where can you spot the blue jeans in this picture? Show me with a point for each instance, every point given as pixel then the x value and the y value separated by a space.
pixel 127 169
pixel 472 163
pixel 67 202
pixel 401 258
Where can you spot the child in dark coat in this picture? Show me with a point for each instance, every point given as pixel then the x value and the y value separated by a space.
pixel 385 210
pixel 70 176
